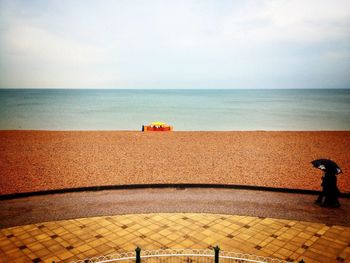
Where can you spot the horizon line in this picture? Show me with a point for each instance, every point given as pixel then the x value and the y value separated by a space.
pixel 105 88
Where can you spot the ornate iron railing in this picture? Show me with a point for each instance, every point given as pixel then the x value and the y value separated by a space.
pixel 181 256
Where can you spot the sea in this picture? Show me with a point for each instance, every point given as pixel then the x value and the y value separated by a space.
pixel 185 110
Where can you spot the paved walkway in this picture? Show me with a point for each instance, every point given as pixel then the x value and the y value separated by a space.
pixel 75 239
pixel 203 200
pixel 304 235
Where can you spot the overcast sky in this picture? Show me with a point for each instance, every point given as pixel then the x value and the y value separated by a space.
pixel 175 44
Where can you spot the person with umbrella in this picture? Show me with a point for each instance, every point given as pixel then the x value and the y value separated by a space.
pixel 330 191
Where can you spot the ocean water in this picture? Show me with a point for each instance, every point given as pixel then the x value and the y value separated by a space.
pixel 193 110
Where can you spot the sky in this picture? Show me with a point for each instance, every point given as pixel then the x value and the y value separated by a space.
pixel 182 44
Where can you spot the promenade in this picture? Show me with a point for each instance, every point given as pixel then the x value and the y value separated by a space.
pixel 72 226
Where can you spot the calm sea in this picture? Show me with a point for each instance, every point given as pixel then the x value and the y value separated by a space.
pixel 194 110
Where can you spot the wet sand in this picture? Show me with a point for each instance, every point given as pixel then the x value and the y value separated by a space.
pixel 46 160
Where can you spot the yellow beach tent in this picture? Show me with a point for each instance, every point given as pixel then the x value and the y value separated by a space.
pixel 158 123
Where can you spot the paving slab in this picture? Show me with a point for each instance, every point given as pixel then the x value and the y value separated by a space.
pixel 71 240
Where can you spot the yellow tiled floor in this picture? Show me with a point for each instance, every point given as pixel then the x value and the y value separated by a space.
pixel 75 239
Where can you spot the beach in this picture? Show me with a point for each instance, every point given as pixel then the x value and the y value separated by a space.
pixel 46 160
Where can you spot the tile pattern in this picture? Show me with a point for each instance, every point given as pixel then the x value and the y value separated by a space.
pixel 75 239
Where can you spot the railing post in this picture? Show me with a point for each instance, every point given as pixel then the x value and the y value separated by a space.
pixel 138 255
pixel 216 250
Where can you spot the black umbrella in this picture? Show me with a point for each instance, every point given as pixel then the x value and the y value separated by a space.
pixel 327 166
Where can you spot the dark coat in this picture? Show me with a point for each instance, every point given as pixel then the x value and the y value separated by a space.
pixel 329 184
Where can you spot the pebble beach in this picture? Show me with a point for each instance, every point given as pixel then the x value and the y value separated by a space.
pixel 45 160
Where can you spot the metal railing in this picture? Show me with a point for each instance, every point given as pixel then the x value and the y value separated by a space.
pixel 181 256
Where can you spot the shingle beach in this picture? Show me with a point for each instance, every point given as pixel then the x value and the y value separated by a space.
pixel 45 160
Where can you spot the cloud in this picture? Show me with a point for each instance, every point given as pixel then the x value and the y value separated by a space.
pixel 155 43
pixel 297 21
pixel 37 44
